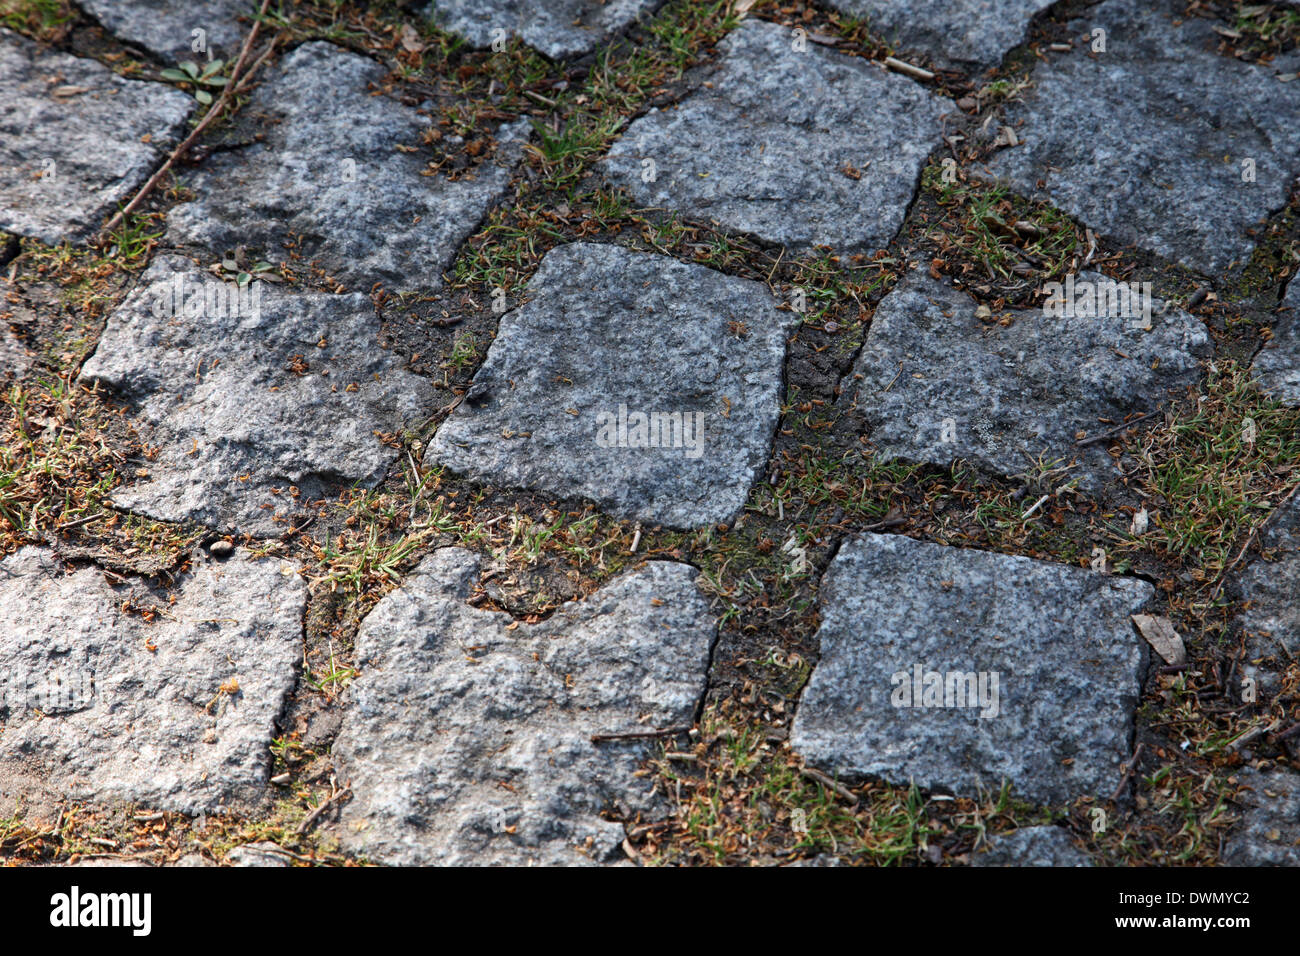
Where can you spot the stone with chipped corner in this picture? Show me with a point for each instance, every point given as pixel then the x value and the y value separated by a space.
pixel 166 28
pixel 76 140
pixel 254 401
pixel 799 148
pixel 934 383
pixel 468 736
pixel 1270 594
pixel 1277 366
pixel 115 694
pixel 1269 831
pixel 1159 141
pixel 608 335
pixel 557 28
pixel 950 33
pixel 1032 846
pixel 1037 666
pixel 338 175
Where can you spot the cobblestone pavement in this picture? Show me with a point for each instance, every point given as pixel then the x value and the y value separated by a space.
pixel 628 432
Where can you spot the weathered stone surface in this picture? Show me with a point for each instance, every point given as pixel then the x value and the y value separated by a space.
pixel 1032 846
pixel 75 139
pixel 13 355
pixel 799 148
pixel 328 172
pixel 606 328
pixel 1067 658
pixel 1269 832
pixel 469 743
pixel 1270 592
pixel 262 853
pixel 166 27
pixel 959 33
pixel 558 28
pixel 1277 366
pixel 934 383
pixel 101 705
pixel 284 392
pixel 1146 141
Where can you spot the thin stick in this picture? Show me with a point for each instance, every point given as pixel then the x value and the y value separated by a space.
pixel 829 783
pixel 1116 430
pixel 311 817
pixel 216 110
pixel 1128 772
pixel 640 734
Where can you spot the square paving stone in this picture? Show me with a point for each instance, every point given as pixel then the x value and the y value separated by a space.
pixel 1277 366
pixel 98 704
pixel 1270 592
pixel 558 28
pixel 1037 668
pixel 950 32
pixel 1151 142
pixel 799 148
pixel 644 384
pixel 467 739
pixel 241 397
pixel 166 27
pixel 329 174
pixel 75 139
pixel 935 383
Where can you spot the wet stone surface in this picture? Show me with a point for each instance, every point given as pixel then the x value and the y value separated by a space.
pixel 468 737
pixel 178 714
pixel 1053 660
pixel 1152 141
pixel 647 385
pixel 249 396
pixel 799 148
pixel 75 139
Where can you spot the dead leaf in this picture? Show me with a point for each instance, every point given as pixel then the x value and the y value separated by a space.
pixel 410 39
pixel 1160 634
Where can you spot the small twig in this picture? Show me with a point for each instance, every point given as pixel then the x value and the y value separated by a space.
pixel 325 804
pixel 80 521
pixel 1116 430
pixel 1128 772
pixel 1034 507
pixel 908 68
pixel 640 734
pixel 217 109
pixel 1289 732
pixel 830 783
